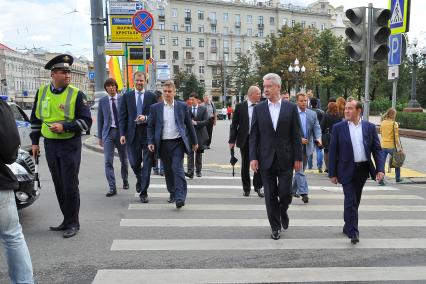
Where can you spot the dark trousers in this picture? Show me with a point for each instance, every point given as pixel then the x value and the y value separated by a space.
pixel 209 127
pixel 353 192
pixel 245 170
pixel 171 154
pixel 198 162
pixel 111 142
pixel 138 152
pixel 63 158
pixel 277 194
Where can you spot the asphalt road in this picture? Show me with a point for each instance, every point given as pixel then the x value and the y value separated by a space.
pixel 123 241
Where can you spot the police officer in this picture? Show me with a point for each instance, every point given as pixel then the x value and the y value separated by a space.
pixel 60 114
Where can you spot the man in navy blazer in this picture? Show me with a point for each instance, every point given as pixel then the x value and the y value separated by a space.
pixel 133 117
pixel 171 133
pixel 109 136
pixel 352 144
pixel 275 150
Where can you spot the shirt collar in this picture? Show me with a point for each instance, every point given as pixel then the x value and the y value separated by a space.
pixel 196 106
pixel 166 104
pixel 353 124
pixel 140 92
pixel 300 111
pixel 250 103
pixel 271 103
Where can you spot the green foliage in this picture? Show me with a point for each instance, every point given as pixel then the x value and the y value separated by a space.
pixel 188 83
pixel 243 75
pixel 412 120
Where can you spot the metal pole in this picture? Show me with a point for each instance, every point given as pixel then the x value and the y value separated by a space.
pixel 126 66
pixel 144 56
pixel 366 113
pixel 413 103
pixel 98 40
pixel 224 71
pixel 394 86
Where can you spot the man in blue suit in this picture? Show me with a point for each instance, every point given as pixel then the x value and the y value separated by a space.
pixel 311 133
pixel 133 117
pixel 109 136
pixel 171 133
pixel 352 144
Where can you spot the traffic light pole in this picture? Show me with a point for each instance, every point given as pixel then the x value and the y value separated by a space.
pixel 366 113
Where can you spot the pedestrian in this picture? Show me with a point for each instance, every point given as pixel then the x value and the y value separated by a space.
pixel 353 141
pixel 239 135
pixel 211 112
pixel 390 142
pixel 133 116
pixel 157 164
pixel 341 102
pixel 200 119
pixel 331 117
pixel 311 136
pixel 275 150
pixel 171 133
pixel 318 149
pixel 109 136
pixel 286 96
pixel 229 111
pixel 17 255
pixel 60 115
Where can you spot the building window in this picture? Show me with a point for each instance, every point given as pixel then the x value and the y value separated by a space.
pixel 161 12
pixel 238 31
pixel 293 23
pixel 187 28
pixel 237 19
pixel 202 82
pixel 322 27
pixel 162 40
pixel 162 54
pixel 249 32
pixel 260 19
pixel 174 13
pixel 260 34
pixel 175 41
pixel 201 29
pixel 201 55
pixel 213 29
pixel 215 83
pixel 201 69
pixel 175 55
pixel 225 17
pixel 189 69
pixel 175 69
pixel 314 25
pixel 226 56
pixel 213 43
pixel 271 20
pixel 175 27
pixel 225 30
pixel 200 15
pixel 201 42
pixel 188 55
pixel 212 15
pixel 322 6
pixel 285 22
pixel 188 41
pixel 162 25
pixel 187 13
pixel 249 19
pixel 303 24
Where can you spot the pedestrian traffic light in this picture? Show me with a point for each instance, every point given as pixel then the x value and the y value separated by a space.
pixel 380 33
pixel 356 33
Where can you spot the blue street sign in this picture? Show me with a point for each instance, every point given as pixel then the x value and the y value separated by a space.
pixel 395 50
pixel 143 22
pixel 139 6
pixel 91 75
pixel 400 16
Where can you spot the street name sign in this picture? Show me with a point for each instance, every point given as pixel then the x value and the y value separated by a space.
pixel 124 8
pixel 395 50
pixel 400 16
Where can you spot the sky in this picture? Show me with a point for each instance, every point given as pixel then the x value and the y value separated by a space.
pixel 64 26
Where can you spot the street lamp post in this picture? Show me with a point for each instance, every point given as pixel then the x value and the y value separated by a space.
pixel 297 72
pixel 413 52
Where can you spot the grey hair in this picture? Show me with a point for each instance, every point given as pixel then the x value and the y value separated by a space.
pixel 252 89
pixel 273 77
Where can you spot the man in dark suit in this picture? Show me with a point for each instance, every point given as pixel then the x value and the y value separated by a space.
pixel 171 134
pixel 352 143
pixel 109 136
pixel 239 133
pixel 133 117
pixel 275 150
pixel 200 119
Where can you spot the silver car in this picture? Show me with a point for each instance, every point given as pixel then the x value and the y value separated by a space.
pixel 23 124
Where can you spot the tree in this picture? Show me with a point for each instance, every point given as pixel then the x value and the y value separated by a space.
pixel 243 76
pixel 187 83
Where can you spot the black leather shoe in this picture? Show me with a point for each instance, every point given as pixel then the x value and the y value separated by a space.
pixel 355 239
pixel 126 184
pixel 246 193
pixel 285 220
pixel 276 235
pixel 296 195
pixel 345 232
pixel 260 192
pixel 70 232
pixel 58 228
pixel 179 204
pixel 162 174
pixel 199 175
pixel 189 175
pixel 171 199
pixel 110 193
pixel 144 198
pixel 305 198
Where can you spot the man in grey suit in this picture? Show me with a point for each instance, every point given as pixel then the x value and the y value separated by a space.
pixel 311 133
pixel 109 136
pixel 200 119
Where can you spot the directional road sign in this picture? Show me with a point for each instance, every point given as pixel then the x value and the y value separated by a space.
pixel 143 22
pixel 395 50
pixel 400 19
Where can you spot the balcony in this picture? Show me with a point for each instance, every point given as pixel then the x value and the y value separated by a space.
pixel 260 26
pixel 213 49
pixel 212 62
pixel 213 22
pixel 238 24
pixel 238 50
pixel 189 61
pixel 188 20
pixel 162 18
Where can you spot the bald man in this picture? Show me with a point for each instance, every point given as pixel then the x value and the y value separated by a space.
pixel 239 134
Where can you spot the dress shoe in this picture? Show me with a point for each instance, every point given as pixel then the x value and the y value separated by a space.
pixel 326 171
pixel 126 184
pixel 70 232
pixel 61 227
pixel 199 175
pixel 260 192
pixel 171 199
pixel 355 239
pixel 179 204
pixel 144 198
pixel 162 174
pixel 296 195
pixel 189 175
pixel 111 192
pixel 276 235
pixel 246 193
pixel 156 172
pixel 305 198
pixel 285 220
pixel 320 170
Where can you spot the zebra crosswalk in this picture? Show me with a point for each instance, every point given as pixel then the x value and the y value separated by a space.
pixel 219 236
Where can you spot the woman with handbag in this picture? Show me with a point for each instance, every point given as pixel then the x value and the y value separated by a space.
pixel 330 118
pixel 390 142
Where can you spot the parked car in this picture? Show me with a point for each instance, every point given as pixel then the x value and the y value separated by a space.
pixel 24 126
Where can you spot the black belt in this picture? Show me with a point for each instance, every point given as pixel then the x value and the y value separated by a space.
pixel 361 164
pixel 172 140
pixel 113 127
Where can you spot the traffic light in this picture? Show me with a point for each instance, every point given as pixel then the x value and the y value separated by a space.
pixel 356 34
pixel 380 33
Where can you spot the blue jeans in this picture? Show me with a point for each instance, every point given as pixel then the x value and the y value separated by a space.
pixel 389 151
pixel 319 158
pixel 17 254
pixel 300 184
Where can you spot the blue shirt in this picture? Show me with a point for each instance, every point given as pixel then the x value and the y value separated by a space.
pixel 302 115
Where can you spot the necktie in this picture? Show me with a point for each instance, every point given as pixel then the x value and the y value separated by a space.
pixel 193 111
pixel 140 104
pixel 114 112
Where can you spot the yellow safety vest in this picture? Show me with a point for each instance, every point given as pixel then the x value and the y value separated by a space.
pixel 57 108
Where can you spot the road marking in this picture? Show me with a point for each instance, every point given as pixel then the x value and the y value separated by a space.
pixel 265 244
pixel 234 195
pixel 265 223
pixel 295 207
pixel 260 275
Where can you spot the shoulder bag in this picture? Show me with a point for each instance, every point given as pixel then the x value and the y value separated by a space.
pixel 398 156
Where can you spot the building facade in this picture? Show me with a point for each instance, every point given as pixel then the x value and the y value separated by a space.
pixel 200 36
